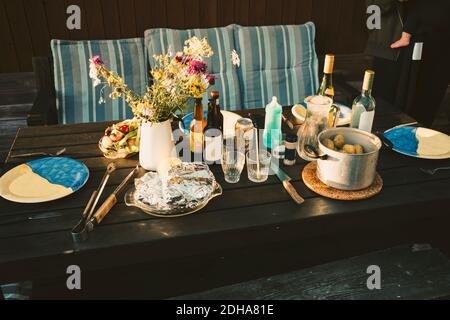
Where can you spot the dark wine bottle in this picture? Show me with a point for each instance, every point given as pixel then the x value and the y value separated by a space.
pixel 213 130
pixel 219 115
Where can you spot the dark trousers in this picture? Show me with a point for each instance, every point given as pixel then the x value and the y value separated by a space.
pixel 418 87
pixel 387 77
pixel 428 22
pixel 433 78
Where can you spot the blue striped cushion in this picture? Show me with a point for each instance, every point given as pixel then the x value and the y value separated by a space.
pixel 221 40
pixel 277 61
pixel 77 99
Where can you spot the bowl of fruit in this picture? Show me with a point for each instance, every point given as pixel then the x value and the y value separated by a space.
pixel 121 140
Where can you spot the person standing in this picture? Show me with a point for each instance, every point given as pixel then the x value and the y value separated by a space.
pixel 427 21
pixel 404 23
pixel 387 60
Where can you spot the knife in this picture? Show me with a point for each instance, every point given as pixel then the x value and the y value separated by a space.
pixel 409 124
pixel 286 180
pixel 388 143
pixel 40 216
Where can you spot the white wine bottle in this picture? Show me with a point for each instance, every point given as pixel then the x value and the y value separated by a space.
pixel 326 87
pixel 363 108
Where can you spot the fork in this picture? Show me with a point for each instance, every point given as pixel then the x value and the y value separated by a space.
pixel 23 155
pixel 433 171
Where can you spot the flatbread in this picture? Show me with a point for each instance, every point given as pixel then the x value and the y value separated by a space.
pixel 432 143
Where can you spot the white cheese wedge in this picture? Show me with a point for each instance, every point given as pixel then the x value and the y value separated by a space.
pixel 23 185
pixel 432 143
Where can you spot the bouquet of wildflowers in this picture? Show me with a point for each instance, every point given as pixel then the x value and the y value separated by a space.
pixel 177 78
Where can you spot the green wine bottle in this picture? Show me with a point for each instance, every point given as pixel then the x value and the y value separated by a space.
pixel 363 108
pixel 326 87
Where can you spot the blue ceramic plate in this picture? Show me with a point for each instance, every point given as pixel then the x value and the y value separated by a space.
pixel 43 180
pixel 419 142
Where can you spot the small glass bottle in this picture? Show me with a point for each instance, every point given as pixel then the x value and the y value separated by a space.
pixel 196 128
pixel 290 153
pixel 272 128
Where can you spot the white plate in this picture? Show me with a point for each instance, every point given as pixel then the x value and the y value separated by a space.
pixel 407 139
pixel 43 180
pixel 299 111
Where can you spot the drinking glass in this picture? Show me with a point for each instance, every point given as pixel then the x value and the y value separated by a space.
pixel 232 164
pixel 258 166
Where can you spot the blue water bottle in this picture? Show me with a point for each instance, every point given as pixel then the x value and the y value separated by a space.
pixel 272 129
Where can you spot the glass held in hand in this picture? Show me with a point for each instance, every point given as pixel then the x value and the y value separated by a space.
pixel 258 165
pixel 232 164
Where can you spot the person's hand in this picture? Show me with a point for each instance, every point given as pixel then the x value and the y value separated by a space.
pixel 402 42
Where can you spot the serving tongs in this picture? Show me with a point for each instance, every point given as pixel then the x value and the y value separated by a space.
pixel 79 232
pixel 93 220
pixel 110 201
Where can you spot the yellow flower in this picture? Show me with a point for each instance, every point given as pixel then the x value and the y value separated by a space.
pixel 172 69
pixel 110 80
pixel 196 89
pixel 157 74
pixel 173 85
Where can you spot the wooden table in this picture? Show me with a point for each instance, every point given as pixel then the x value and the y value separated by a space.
pixel 250 231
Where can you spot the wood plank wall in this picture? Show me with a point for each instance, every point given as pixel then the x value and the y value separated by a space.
pixel 26 26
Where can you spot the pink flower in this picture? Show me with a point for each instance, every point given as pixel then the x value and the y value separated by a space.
pixel 210 78
pixel 197 67
pixel 93 72
pixel 96 60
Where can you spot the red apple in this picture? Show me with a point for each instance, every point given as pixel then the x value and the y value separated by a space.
pixel 116 135
pixel 125 129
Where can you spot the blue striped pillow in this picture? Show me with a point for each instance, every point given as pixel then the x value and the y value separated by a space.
pixel 76 97
pixel 277 61
pixel 222 42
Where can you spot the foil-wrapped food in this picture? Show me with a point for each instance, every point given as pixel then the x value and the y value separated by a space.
pixel 184 186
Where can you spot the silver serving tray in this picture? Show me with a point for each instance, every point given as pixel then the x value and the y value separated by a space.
pixel 131 202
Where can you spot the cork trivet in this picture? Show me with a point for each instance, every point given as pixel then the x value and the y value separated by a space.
pixel 313 182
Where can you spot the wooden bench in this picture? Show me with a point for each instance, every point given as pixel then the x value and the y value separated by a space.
pixel 407 272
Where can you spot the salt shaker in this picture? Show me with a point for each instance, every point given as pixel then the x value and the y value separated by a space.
pixel 290 152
